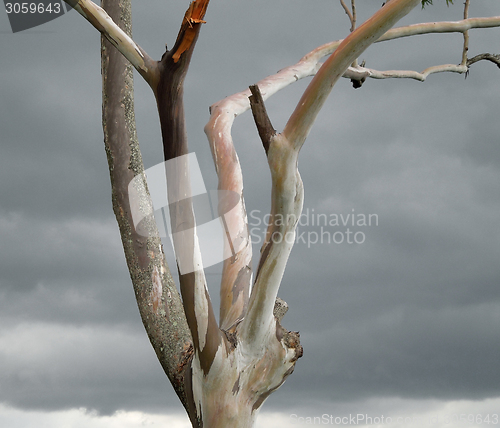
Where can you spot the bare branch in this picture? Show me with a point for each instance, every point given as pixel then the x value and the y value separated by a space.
pixel 236 271
pixel 287 197
pixel 495 59
pixel 411 30
pixel 98 17
pixel 426 28
pixel 309 64
pixel 236 274
pixel 440 27
pixel 264 125
pixel 218 131
pixel 354 15
pixel 348 12
pixel 466 34
pixel 275 254
pixel 302 119
pixel 362 73
pixel 169 95
pixel 190 28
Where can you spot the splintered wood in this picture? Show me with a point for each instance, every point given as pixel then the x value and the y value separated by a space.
pixel 188 32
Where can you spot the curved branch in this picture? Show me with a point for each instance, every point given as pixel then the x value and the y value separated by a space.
pixel 309 64
pixel 302 119
pixel 287 190
pixel 495 59
pixel 349 14
pixel 224 112
pixel 286 206
pixel 98 17
pixel 236 271
pixel 236 275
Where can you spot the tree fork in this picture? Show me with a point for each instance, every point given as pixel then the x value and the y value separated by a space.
pixel 164 321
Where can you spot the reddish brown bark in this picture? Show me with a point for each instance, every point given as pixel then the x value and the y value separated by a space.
pixel 169 93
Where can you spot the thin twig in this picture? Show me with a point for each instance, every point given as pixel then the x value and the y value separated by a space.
pixel 353 7
pixel 348 12
pixel 352 18
pixel 466 34
pixel 485 56
pixel 353 27
pixel 361 72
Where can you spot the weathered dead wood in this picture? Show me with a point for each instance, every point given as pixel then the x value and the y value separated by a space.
pixel 495 59
pixel 262 121
pixel 169 93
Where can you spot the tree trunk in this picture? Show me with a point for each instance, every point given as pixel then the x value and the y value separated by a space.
pixel 158 300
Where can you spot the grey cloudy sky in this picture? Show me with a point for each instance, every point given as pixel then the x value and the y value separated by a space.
pixel 405 323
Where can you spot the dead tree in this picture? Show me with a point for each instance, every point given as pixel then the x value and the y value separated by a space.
pixel 223 372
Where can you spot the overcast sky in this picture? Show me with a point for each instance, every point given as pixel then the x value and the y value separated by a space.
pixel 405 323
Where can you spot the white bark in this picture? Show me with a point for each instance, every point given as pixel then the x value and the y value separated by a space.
pixel 287 200
pixel 98 17
pixel 363 72
pixel 441 27
pixel 232 392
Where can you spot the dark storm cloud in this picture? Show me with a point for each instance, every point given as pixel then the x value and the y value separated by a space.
pixel 49 366
pixel 447 353
pixel 53 159
pixel 36 251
